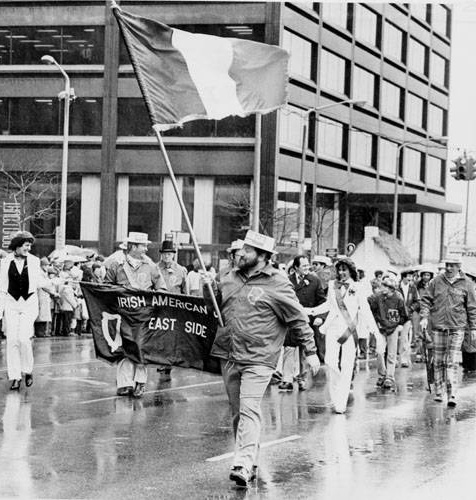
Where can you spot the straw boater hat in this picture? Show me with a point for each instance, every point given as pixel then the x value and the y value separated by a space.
pixel 322 259
pixel 138 238
pixel 259 241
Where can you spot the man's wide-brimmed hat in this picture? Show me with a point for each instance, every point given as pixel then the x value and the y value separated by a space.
pixel 167 246
pixel 259 241
pixel 452 259
pixel 138 238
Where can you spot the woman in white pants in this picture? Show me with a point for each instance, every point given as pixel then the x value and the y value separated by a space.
pixel 20 277
pixel 349 314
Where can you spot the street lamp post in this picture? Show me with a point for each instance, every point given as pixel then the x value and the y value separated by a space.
pixel 67 94
pixel 302 191
pixel 396 194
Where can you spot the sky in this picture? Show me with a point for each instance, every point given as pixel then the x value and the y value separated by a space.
pixel 462 116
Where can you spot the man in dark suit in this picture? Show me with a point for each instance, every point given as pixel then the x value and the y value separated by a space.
pixel 310 293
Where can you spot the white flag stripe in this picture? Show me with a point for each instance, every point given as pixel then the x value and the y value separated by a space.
pixel 208 60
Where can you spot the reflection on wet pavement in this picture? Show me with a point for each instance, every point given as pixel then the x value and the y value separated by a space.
pixel 69 436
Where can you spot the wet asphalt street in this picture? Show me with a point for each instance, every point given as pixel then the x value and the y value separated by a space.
pixel 69 436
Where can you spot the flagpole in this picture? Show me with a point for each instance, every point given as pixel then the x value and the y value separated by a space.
pixel 187 219
pixel 256 174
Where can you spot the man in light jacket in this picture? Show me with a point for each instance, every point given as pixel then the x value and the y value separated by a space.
pixel 258 305
pixel 450 303
pixel 20 278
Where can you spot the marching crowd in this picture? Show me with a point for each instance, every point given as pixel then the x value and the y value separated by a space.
pixel 279 322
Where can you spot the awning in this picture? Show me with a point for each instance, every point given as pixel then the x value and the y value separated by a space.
pixel 414 202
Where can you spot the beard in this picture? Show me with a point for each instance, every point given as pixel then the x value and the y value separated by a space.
pixel 245 265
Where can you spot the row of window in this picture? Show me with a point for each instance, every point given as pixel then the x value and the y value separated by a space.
pixel 44 116
pixel 144 211
pixel 366 24
pixel 337 141
pixel 85 44
pixel 335 70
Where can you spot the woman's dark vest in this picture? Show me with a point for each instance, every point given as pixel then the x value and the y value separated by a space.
pixel 18 284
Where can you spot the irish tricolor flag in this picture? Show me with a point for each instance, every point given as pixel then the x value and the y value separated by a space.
pixel 186 76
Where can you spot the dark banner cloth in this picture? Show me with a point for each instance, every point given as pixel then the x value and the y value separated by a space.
pixel 151 327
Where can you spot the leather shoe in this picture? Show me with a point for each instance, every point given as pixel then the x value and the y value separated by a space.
pixel 15 385
pixel 240 475
pixel 139 390
pixel 124 391
pixel 28 379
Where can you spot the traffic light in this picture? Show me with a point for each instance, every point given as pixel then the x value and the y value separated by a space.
pixel 464 168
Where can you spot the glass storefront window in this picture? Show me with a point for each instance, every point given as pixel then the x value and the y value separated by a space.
pixel 231 211
pixel 73 208
pixel 45 207
pixel 287 212
pixel 44 116
pixel 145 205
pixel 232 126
pixel 67 44
pixel 188 190
pixel 254 32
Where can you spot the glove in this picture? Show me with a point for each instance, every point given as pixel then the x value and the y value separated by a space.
pixel 424 323
pixel 314 363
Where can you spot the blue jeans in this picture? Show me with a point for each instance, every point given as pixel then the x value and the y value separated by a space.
pixel 245 386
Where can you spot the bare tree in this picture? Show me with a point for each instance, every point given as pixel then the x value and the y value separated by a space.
pixel 35 190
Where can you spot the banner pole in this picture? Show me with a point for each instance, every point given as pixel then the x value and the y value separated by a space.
pixel 187 219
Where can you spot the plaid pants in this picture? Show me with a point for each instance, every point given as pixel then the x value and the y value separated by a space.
pixel 447 345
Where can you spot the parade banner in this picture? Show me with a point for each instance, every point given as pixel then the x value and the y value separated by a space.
pixel 151 327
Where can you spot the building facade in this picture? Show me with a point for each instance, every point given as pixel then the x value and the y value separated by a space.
pixel 392 58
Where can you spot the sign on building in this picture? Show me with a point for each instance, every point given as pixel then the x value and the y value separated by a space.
pixel 11 217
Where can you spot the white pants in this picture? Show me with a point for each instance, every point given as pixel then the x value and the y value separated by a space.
pixel 18 325
pixel 128 373
pixel 340 362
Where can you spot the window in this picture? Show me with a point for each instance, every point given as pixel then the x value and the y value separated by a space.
pixel 233 126
pixel 419 10
pixel 230 212
pixel 331 138
pixel 431 237
pixel 438 69
pixel 366 25
pixel 415 107
pixel 412 165
pixel 287 214
pixel 417 57
pixel 145 205
pixel 391 99
pixel 434 169
pixel 363 86
pixel 44 116
pixel 290 126
pixel 410 233
pixel 436 120
pixel 300 61
pixel 332 76
pixel 335 13
pixel 387 157
pixel 67 44
pixel 361 149
pixel 393 42
pixel 439 18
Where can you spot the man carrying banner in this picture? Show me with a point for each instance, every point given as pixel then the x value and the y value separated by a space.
pixel 135 272
pixel 258 305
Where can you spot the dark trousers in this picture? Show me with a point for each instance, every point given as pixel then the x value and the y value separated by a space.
pixel 65 322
